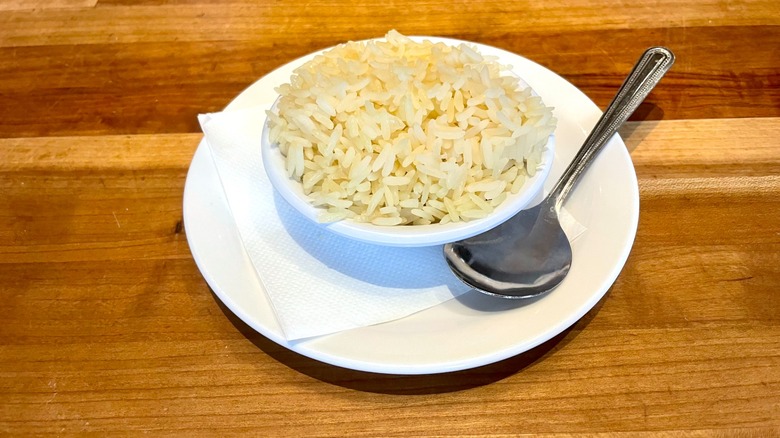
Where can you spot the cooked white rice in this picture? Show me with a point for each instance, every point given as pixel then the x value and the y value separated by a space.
pixel 398 132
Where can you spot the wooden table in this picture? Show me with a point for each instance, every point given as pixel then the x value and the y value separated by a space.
pixel 108 326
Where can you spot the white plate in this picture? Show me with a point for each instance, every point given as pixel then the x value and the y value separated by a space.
pixel 466 332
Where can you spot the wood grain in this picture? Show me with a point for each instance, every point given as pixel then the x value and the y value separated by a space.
pixel 109 328
pixel 94 198
pixel 713 148
pixel 37 5
pixel 114 84
pixel 283 20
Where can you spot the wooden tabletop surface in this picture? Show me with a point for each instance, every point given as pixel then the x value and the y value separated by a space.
pixel 108 326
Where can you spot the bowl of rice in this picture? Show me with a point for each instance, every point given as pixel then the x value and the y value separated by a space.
pixel 403 141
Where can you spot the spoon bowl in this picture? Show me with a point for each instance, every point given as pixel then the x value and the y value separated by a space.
pixel 529 254
pixel 542 264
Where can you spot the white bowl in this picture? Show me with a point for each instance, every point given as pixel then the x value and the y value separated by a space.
pixel 404 235
pixel 407 235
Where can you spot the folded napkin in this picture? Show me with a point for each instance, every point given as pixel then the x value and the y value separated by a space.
pixel 318 282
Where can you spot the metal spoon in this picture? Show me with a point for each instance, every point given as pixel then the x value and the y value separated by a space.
pixel 529 254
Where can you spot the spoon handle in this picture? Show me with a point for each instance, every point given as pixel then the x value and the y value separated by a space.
pixel 649 69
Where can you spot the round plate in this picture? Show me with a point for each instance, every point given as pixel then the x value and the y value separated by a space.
pixel 473 329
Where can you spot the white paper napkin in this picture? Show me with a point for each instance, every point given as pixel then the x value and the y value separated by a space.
pixel 319 282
